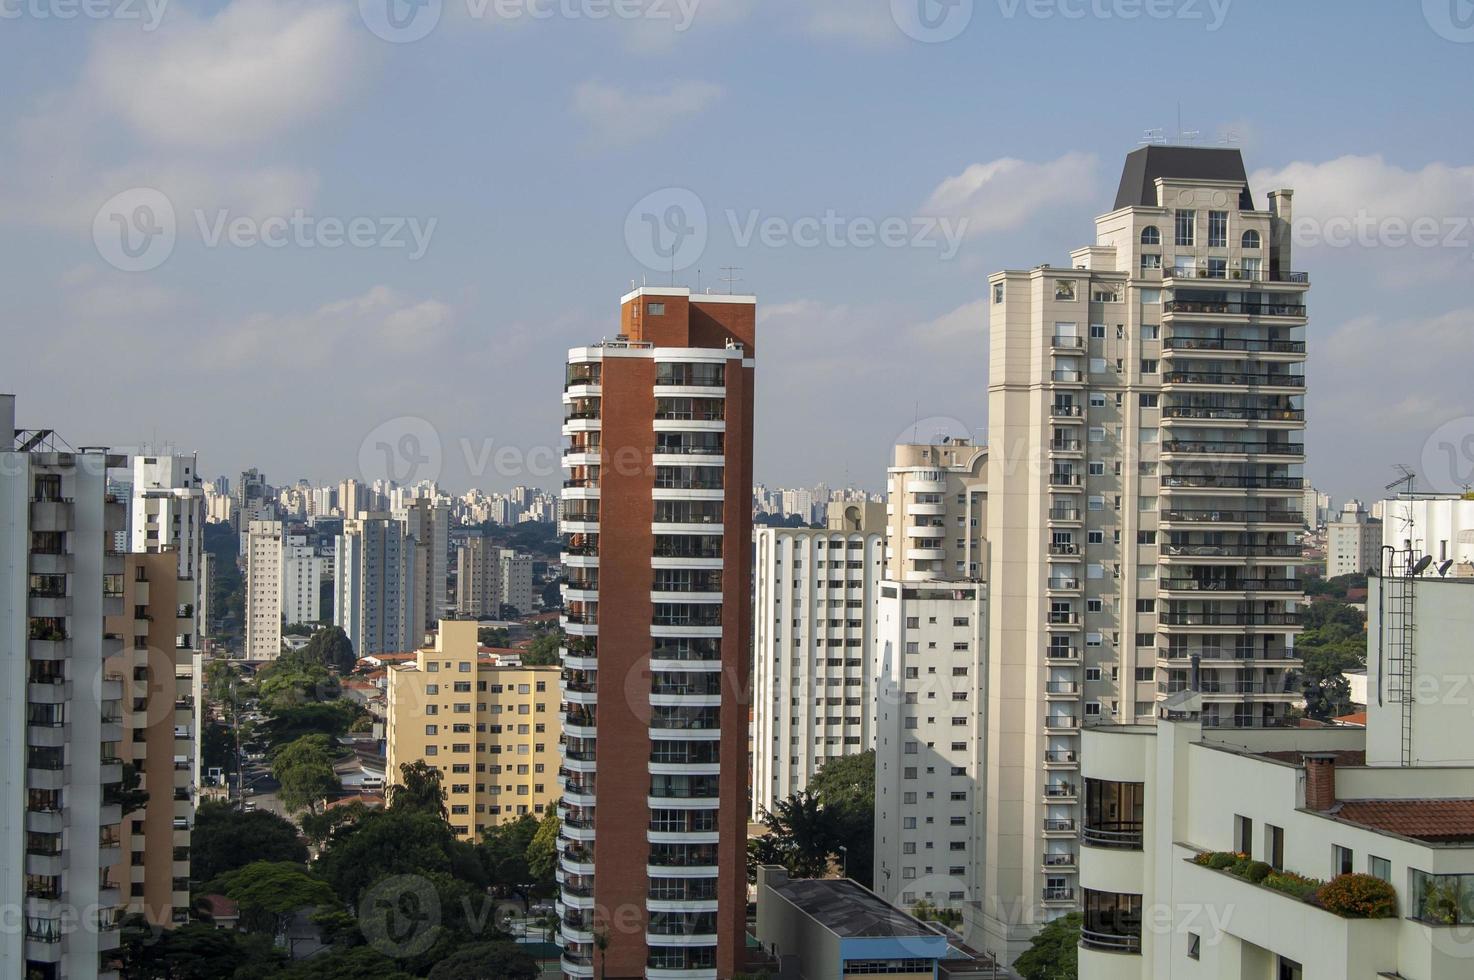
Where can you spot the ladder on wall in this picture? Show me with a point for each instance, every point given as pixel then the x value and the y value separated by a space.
pixel 1397 586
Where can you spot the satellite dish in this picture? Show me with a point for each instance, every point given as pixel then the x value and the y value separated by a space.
pixel 1443 569
pixel 1422 565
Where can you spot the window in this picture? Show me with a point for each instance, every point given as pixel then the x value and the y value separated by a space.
pixel 1065 290
pixel 1151 297
pixel 1194 945
pixel 1340 859
pixel 1148 365
pixel 1097 331
pixel 1274 840
pixel 1151 262
pixel 1379 868
pixel 1186 218
pixel 1148 401
pixel 656 309
pixel 997 292
pixel 1151 236
pixel 1217 229
pixel 1250 239
pixel 1243 835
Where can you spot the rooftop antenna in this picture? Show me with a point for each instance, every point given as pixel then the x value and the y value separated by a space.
pixel 730 276
pixel 1153 136
pixel 1406 475
pixel 1229 138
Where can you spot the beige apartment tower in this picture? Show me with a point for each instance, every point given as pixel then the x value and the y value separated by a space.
pixel 1146 413
pixel 491 730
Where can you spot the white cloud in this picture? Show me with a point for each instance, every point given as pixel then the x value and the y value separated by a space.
pixel 963 330
pixel 370 323
pixel 256 69
pixel 846 20
pixel 622 117
pixel 1003 194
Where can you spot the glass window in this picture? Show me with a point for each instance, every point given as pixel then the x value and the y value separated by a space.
pixel 1379 868
pixel 1112 922
pixel 1443 900
pixel 1250 239
pixel 1217 229
pixel 1151 236
pixel 1186 218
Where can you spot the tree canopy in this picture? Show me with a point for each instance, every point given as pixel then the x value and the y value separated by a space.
pixel 269 892
pixel 226 838
pixel 418 788
pixel 487 961
pixel 305 770
pixel 1054 953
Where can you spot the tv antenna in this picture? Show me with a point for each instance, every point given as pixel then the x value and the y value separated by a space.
pixel 1229 138
pixel 730 276
pixel 1153 136
pixel 1406 475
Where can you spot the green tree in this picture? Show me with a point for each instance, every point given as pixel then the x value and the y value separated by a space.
pixel 543 650
pixel 845 787
pixel 331 647
pixel 195 951
pixel 542 852
pixel 333 718
pixel 226 838
pixel 487 961
pixel 493 636
pixel 504 853
pixel 305 770
pixel 270 892
pixel 295 678
pixel 395 842
pixel 802 836
pixel 1053 954
pixel 418 788
pixel 355 963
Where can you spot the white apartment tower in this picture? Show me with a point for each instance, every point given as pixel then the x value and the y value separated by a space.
pixel 301 579
pixel 1146 412
pixel 61 738
pixel 478 579
pixel 427 522
pixel 931 661
pixel 374 602
pixel 1353 541
pixel 813 630
pixel 516 581
pixel 263 556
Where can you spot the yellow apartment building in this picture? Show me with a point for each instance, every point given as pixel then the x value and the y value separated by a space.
pixel 491 730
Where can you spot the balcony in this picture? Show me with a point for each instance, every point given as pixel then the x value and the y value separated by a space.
pixel 1063 618
pixel 1110 942
pixel 1064 411
pixel 1062 654
pixel 1059 862
pixel 1233 308
pixel 1235 619
pixel 1214 447
pixel 1067 515
pixel 1067 480
pixel 1066 343
pixel 1121 835
pixel 1064 549
pixel 1232 345
pixel 1062 584
pixel 1061 757
pixel 1059 825
pixel 1061 689
pixel 1061 792
pixel 1058 896
pixel 1230 551
pixel 1291 585
pixel 1067 376
pixel 1172 413
pixel 1212 515
pixel 1061 723
pixel 1230 379
pixel 1230 481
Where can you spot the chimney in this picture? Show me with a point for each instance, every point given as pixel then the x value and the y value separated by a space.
pixel 1281 230
pixel 7 423
pixel 1320 781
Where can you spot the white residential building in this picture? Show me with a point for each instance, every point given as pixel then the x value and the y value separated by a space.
pixel 61 740
pixel 1394 801
pixel 1145 421
pixel 931 656
pixel 302 576
pixel 1441 526
pixel 478 579
pixel 374 601
pixel 427 522
pixel 1353 542
pixel 813 633
pixel 516 581
pixel 263 600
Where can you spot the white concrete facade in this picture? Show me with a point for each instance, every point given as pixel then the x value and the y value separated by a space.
pixel 813 623
pixel 374 599
pixel 263 605
pixel 1439 526
pixel 301 581
pixel 1353 541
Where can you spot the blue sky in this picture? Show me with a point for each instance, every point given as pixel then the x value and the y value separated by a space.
pixel 519 146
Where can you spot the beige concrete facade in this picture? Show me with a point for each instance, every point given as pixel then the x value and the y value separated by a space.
pixel 492 731
pixel 1146 412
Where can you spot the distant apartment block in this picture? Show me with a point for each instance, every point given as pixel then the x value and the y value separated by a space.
pixel 374 600
pixel 516 581
pixel 427 523
pixel 301 580
pixel 1353 541
pixel 478 578
pixel 263 601
pixel 492 731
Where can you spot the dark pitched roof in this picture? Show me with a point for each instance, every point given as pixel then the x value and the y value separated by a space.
pixel 1146 164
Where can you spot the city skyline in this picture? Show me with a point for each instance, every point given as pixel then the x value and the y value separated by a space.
pixel 302 332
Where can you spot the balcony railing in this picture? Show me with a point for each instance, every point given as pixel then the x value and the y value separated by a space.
pixel 1231 585
pixel 1231 378
pixel 1201 270
pixel 1215 414
pixel 1061 756
pixel 1212 515
pixel 1172 618
pixel 1059 894
pixel 1065 411
pixel 1059 825
pixel 1231 551
pixel 1231 447
pixel 1110 942
pixel 1232 482
pixel 1125 834
pixel 1233 308
pixel 1235 344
